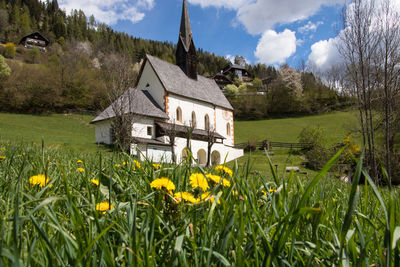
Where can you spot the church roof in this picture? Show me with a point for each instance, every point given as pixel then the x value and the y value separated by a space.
pixel 185 33
pixel 176 82
pixel 142 104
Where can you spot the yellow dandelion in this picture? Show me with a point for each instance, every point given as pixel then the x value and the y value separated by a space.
pixel 117 166
pixel 223 169
pixel 2 157
pixel 347 139
pixel 217 179
pixel 157 166
pixel 354 148
pixel 208 197
pixel 197 180
pixel 226 183
pixel 136 165
pixel 95 182
pixel 80 169
pixel 186 196
pixel 104 206
pixel 271 191
pixel 235 192
pixel 161 183
pixel 39 180
pixel 79 161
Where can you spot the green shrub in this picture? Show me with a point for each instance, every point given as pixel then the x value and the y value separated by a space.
pixel 312 137
pixel 33 55
pixel 9 50
pixel 230 90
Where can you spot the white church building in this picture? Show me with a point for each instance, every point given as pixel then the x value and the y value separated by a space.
pixel 167 100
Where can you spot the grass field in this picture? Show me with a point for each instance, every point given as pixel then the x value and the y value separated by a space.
pixel 72 131
pixel 68 208
pixel 337 125
pixel 99 208
pixel 66 131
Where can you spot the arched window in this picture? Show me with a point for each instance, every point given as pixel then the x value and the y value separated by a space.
pixel 194 122
pixel 206 123
pixel 228 129
pixel 178 114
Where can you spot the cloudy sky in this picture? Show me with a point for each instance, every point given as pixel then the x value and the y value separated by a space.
pixel 267 31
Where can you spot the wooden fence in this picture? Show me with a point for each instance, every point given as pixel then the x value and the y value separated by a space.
pixel 265 144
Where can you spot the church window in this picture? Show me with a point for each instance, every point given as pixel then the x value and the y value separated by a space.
pixel 228 129
pixel 194 122
pixel 149 130
pixel 179 114
pixel 206 123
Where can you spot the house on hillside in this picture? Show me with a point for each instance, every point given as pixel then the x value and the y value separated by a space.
pixel 174 98
pixel 238 71
pixel 35 40
pixel 231 71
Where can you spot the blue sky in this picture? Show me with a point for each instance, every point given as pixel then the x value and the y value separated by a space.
pixel 267 31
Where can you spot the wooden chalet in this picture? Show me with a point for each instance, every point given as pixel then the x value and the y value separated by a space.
pixel 35 40
pixel 238 71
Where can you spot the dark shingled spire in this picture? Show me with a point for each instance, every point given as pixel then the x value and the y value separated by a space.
pixel 186 57
pixel 185 33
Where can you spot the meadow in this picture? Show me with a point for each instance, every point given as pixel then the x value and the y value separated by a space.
pixel 73 131
pixel 64 207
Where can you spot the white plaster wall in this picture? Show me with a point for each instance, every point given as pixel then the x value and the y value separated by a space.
pixel 188 106
pixel 223 117
pixel 139 127
pixel 159 153
pixel 155 87
pixel 141 151
pixel 227 152
pixel 102 130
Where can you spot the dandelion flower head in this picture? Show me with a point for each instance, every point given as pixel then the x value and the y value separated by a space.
pixel 197 180
pixel 95 182
pixel 156 166
pixel 161 183
pixel 104 206
pixel 223 169
pixel 217 179
pixel 186 196
pixel 39 180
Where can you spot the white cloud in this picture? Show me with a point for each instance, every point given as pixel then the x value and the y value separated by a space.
pixel 310 27
pixel 229 4
pixel 110 11
pixel 325 54
pixel 275 47
pixel 260 15
pixel 230 58
pixel 264 14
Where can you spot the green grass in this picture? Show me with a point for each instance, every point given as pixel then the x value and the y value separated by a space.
pixel 74 132
pixel 65 131
pixel 337 125
pixel 306 222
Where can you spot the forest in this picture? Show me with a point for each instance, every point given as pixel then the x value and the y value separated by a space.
pixel 71 74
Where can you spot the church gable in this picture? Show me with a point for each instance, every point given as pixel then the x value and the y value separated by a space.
pixel 176 82
pixel 148 80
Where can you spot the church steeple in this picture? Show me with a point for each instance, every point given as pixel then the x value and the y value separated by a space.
pixel 186 57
